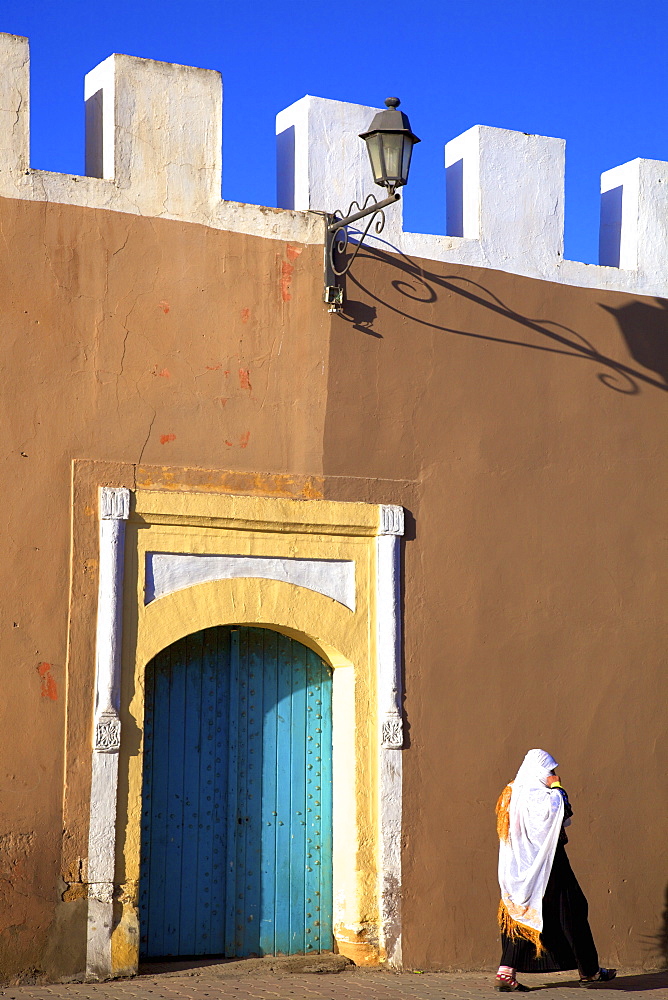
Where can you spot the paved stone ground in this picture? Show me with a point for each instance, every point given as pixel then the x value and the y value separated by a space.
pixel 258 979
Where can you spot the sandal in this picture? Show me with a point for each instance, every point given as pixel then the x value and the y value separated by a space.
pixel 602 976
pixel 507 984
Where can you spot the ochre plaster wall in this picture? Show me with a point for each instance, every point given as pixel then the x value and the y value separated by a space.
pixel 533 417
pixel 522 425
pixel 145 344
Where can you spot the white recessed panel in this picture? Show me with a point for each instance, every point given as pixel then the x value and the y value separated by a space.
pixel 167 572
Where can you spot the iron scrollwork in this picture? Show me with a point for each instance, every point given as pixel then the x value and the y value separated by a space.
pixel 338 238
pixel 339 235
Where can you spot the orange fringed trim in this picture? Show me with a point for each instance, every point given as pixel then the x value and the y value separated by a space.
pixel 503 813
pixel 513 930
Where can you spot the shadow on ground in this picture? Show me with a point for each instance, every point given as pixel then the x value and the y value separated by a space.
pixel 639 982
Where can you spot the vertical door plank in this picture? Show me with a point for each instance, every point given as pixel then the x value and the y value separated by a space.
pixel 242 779
pixel 269 812
pixel 196 896
pixel 147 808
pixel 253 817
pixel 186 741
pixel 283 793
pixel 217 661
pixel 160 811
pixel 232 804
pixel 313 800
pixel 299 805
pixel 326 837
pixel 174 838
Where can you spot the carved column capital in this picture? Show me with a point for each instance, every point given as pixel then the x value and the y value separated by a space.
pixel 391 519
pixel 114 503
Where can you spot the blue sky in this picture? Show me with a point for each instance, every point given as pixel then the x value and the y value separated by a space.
pixel 593 73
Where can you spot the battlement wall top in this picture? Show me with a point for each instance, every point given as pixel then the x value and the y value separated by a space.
pixel 153 148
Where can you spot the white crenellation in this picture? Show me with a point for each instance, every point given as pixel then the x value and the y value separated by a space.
pixel 153 148
pixel 505 201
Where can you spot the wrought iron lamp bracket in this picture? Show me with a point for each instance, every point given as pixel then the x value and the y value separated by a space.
pixel 337 239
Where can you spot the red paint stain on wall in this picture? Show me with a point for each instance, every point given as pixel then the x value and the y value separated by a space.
pixel 49 689
pixel 223 400
pixel 287 270
pixel 164 306
pixel 162 374
pixel 229 444
pixel 166 438
pixel 243 443
pixel 244 379
pixel 245 315
pixel 286 277
pixel 214 368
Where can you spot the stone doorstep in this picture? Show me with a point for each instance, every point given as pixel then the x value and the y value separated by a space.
pixel 323 962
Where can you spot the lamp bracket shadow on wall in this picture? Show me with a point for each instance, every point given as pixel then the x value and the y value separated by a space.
pixel 390 144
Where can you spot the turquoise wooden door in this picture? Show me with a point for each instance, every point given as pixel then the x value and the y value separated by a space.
pixel 236 838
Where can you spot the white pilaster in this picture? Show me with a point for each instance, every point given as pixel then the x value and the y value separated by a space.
pixel 388 616
pixel 114 512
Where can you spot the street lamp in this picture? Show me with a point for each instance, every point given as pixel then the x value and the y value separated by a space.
pixel 389 142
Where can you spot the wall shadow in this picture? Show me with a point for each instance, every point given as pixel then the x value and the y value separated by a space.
pixel 644 327
pixel 362 316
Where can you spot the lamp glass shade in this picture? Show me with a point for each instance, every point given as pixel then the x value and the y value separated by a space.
pixel 390 143
pixel 375 147
pixel 406 158
pixel 392 149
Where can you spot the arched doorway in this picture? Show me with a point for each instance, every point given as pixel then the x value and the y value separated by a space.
pixel 236 829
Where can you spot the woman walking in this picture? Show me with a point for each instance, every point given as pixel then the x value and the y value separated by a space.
pixel 543 910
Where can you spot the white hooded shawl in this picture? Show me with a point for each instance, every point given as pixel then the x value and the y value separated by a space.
pixel 529 827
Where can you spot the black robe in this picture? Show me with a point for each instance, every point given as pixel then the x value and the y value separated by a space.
pixel 566 935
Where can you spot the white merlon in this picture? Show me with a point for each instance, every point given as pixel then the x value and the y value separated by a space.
pixel 155 129
pixel 634 218
pixel 321 163
pixel 153 148
pixel 505 191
